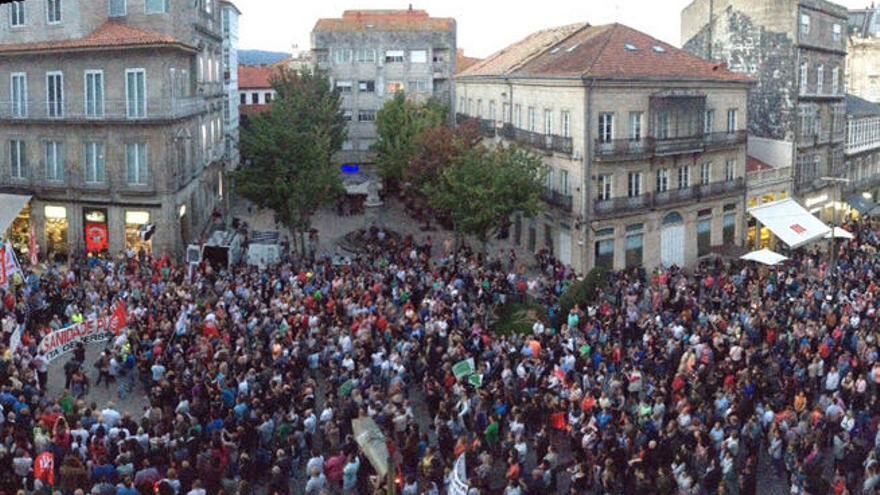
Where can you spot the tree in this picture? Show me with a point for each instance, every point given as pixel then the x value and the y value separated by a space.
pixel 439 148
pixel 483 188
pixel 398 125
pixel 290 149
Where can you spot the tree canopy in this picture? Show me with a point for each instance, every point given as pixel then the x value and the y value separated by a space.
pixel 289 149
pixel 399 124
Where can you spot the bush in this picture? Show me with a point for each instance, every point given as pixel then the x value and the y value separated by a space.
pixel 583 291
pixel 517 318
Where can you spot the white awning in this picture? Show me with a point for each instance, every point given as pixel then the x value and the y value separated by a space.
pixel 839 233
pixel 765 257
pixel 790 222
pixel 10 207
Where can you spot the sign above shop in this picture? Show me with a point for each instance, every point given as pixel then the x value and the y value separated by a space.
pixel 96 216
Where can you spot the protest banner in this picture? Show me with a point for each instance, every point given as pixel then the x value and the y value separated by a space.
pixel 8 265
pixel 65 339
pixel 459 482
pixel 464 368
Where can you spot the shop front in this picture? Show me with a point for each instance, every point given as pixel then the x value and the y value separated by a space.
pixel 135 226
pixel 761 238
pixel 96 230
pixel 56 230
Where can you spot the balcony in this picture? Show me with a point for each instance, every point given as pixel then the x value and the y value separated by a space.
pixel 673 196
pixel 558 199
pixel 620 206
pixel 107 111
pixel 632 149
pixel 613 206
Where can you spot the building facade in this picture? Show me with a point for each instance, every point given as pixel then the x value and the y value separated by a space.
pixel 255 86
pixel 863 149
pixel 796 52
pixel 645 144
pixel 372 54
pixel 863 54
pixel 230 15
pixel 111 117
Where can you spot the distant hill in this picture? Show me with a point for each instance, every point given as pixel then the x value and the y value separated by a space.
pixel 260 57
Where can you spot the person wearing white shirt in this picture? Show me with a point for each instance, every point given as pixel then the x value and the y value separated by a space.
pixel 832 380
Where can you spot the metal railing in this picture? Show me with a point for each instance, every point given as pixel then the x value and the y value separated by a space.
pixel 620 205
pixel 631 148
pixel 102 110
pixel 760 178
pixel 614 206
pixel 558 199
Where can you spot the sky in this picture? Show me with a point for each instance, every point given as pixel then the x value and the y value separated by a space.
pixel 484 26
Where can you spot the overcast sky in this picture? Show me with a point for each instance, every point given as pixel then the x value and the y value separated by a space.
pixel 484 26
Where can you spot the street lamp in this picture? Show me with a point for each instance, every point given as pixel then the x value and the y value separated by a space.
pixel 840 181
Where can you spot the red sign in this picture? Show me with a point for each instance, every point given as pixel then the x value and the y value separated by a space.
pixel 798 229
pixel 96 237
pixel 44 468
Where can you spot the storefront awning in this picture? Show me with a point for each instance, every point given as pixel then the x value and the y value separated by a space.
pixel 861 204
pixel 790 222
pixel 10 206
pixel 765 257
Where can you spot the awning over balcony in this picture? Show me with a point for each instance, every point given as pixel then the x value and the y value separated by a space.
pixel 862 205
pixel 790 222
pixel 10 206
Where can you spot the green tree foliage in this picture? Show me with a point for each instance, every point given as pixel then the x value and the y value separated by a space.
pixel 484 187
pixel 437 149
pixel 289 150
pixel 583 291
pixel 399 124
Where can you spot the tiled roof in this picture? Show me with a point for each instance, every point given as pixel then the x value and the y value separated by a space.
pixel 611 51
pixel 858 107
pixel 755 165
pixel 109 35
pixel 255 77
pixel 385 20
pixel 463 62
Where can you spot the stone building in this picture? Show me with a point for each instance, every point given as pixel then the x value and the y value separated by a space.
pixel 862 153
pixel 111 118
pixel 372 54
pixel 796 52
pixel 230 15
pixel 863 54
pixel 645 143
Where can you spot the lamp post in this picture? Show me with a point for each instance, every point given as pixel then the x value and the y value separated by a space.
pixel 839 181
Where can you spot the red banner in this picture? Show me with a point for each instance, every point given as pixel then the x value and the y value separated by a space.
pixel 64 340
pixel 44 468
pixel 96 237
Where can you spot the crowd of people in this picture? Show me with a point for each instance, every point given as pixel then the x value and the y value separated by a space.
pixel 669 382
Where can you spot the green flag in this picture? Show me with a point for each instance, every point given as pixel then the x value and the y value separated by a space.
pixel 585 349
pixel 464 368
pixel 476 380
pixel 346 388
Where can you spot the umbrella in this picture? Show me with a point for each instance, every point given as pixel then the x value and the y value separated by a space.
pixel 764 256
pixel 839 233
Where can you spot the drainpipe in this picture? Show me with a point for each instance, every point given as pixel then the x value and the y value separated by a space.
pixel 587 182
pixel 710 32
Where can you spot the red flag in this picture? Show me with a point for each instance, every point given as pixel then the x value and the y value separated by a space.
pixel 119 318
pixel 557 421
pixel 44 468
pixel 4 277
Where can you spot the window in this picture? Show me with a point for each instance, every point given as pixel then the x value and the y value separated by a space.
pixel 835 81
pixel 394 56
pixel 418 86
pixel 365 56
pixel 706 173
pixel 709 122
pixel 117 8
pixel 19 94
pixel 729 231
pixel 136 93
pixel 366 86
pixel 347 115
pixel 564 186
pixel 550 180
pixel 505 112
pixel 517 115
pixel 347 145
pixel 820 79
pixel 255 98
pixel 342 55
pixel 605 248
pixel 16 14
pixel 492 115
pixel 55 94
pixel 634 244
pixel 566 123
pixel 805 24
pixel 635 126
pixel 663 120
pixel 17 159
pixel 343 86
pixel 684 177
pixel 54 161
pixel 804 81
pixel 704 236
pixel 161 7
pixel 53 11
pixel 548 122
pixel 730 170
pixel 470 106
pixel 731 120
pixel 662 180
pixel 95 168
pixel 136 165
pixel 836 32
pixel 395 87
pixel 533 126
pixel 418 56
pixel 606 127
pixel 208 5
pixel 605 187
pixel 366 116
pixel 94 93
pixel 634 184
